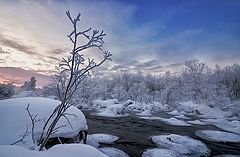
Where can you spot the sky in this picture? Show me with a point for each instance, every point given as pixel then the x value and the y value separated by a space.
pixel 148 36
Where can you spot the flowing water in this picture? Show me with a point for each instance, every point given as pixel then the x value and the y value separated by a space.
pixel 134 133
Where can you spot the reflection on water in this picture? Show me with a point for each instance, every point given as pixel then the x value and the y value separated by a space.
pixel 134 133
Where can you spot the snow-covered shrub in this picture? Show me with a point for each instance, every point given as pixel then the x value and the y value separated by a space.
pixel 6 91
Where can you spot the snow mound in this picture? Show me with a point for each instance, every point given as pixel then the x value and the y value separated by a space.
pixel 218 136
pixel 113 111
pixel 103 138
pixel 61 150
pixel 15 125
pixel 187 106
pixel 159 153
pixel 113 152
pixel 198 122
pixel 182 145
pixel 99 104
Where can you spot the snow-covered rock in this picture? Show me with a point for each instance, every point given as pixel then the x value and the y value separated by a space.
pixel 144 113
pixel 113 111
pixel 61 150
pixel 218 136
pixel 99 104
pixel 157 152
pixel 174 112
pixel 182 145
pixel 103 138
pixel 182 116
pixel 198 122
pixel 175 121
pixel 231 126
pixel 113 152
pixel 15 119
pixel 169 121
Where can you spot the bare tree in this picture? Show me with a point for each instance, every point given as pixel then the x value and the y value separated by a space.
pixel 76 68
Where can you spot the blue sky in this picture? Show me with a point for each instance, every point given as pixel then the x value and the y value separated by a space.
pixel 150 36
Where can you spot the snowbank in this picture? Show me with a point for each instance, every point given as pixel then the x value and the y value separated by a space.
pixel 218 136
pixel 182 145
pixel 103 138
pixel 61 150
pixel 159 153
pixel 113 152
pixel 15 119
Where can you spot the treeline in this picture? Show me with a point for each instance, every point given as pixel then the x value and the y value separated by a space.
pixel 196 82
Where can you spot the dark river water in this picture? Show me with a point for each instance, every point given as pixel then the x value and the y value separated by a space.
pixel 134 133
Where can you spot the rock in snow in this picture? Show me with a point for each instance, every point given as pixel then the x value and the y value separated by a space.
pixel 113 152
pixel 15 119
pixel 182 145
pixel 218 136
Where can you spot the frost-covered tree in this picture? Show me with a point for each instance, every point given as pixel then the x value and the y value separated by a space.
pixel 194 75
pixel 75 69
pixel 30 85
pixel 6 91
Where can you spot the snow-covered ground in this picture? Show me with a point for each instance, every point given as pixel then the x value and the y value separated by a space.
pixel 182 145
pixel 61 150
pixel 218 136
pixel 15 119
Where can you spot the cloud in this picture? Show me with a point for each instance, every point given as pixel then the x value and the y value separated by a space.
pixel 11 43
pixel 19 76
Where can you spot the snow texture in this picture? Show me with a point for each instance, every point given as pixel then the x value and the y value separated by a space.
pixel 15 119
pixel 218 136
pixel 113 152
pixel 103 138
pixel 61 150
pixel 182 145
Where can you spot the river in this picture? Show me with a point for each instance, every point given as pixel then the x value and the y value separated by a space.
pixel 134 133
